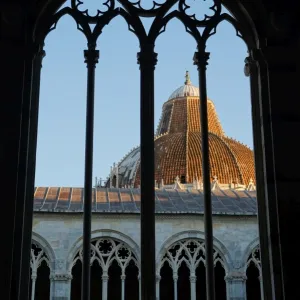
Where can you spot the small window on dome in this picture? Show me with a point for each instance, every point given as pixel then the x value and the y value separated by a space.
pixel 182 179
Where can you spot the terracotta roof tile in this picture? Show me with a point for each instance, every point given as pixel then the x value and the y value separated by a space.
pixel 245 159
pixel 64 193
pixel 101 196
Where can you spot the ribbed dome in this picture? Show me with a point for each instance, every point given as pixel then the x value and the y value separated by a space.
pixel 179 154
pixel 178 147
pixel 187 90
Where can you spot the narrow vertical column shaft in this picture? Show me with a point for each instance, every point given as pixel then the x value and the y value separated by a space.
pixel 33 281
pixel 147 59
pixel 200 59
pixel 123 278
pixel 157 286
pixel 32 144
pixel 105 278
pixel 252 70
pixel 261 286
pixel 91 58
pixel 193 280
pixel 140 287
pixel 175 279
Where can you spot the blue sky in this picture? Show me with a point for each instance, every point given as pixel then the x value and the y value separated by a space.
pixel 61 132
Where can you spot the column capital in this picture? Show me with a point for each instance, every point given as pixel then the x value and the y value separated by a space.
pixel 158 278
pixel 91 57
pixel 236 276
pixel 193 278
pixel 201 59
pixel 105 277
pixel 38 49
pixel 61 277
pixel 249 64
pixel 147 57
pixel 123 277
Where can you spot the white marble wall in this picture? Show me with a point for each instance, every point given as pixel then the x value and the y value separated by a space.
pixel 61 237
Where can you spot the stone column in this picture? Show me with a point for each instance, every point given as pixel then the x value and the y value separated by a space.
pixel 261 287
pixel 236 286
pixel 193 279
pixel 140 289
pixel 33 279
pixel 158 278
pixel 278 62
pixel 123 277
pixel 60 286
pixel 175 279
pixel 105 278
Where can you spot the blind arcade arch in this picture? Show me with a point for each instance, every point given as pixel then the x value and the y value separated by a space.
pixel 91 27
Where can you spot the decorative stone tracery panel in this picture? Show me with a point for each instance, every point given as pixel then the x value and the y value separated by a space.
pixel 190 251
pixel 105 251
pixel 255 258
pixel 37 256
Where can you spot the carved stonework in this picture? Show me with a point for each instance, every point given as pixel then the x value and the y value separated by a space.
pixel 236 276
pixel 37 256
pixel 59 264
pixel 255 258
pixel 61 277
pixel 188 251
pixel 107 250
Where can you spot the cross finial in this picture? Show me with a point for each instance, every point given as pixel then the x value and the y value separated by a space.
pixel 187 78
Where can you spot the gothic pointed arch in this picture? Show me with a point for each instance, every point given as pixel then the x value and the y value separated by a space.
pixel 41 268
pixel 220 248
pixel 247 253
pixel 114 268
pixel 44 244
pixel 104 234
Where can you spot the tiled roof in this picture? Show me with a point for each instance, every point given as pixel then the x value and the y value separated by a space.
pixel 180 154
pixel 181 115
pixel 167 201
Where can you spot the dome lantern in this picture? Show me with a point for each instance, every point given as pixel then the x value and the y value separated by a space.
pixel 186 90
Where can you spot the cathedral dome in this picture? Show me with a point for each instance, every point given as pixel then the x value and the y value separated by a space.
pixel 178 147
pixel 187 90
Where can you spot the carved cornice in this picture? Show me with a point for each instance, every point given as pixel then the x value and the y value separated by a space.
pixel 236 276
pixel 61 277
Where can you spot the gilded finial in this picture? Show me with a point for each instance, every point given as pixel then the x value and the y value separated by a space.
pixel 187 78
